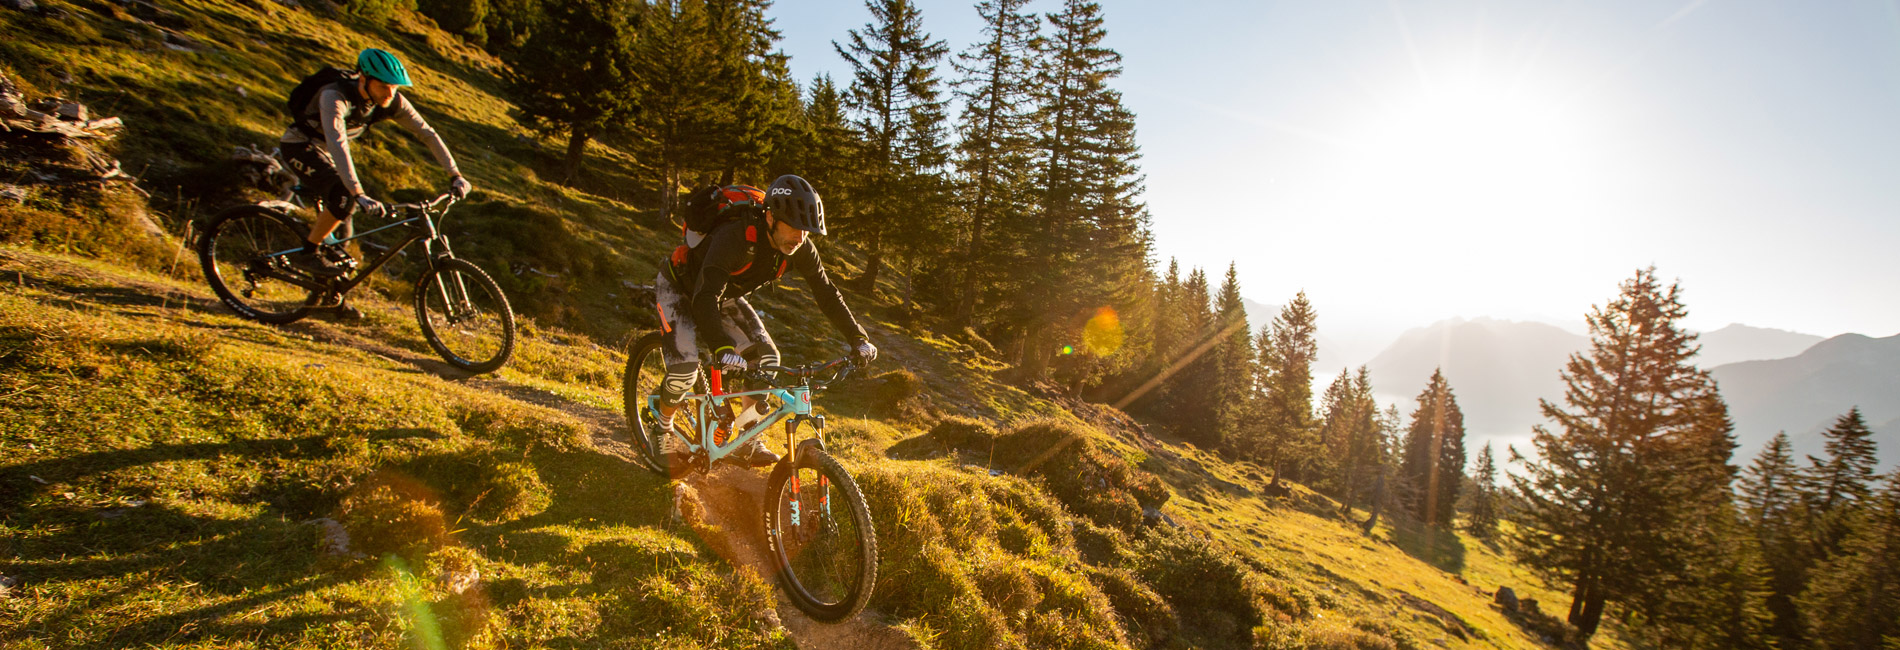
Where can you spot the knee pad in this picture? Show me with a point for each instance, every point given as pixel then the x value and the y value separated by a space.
pixel 761 355
pixel 678 382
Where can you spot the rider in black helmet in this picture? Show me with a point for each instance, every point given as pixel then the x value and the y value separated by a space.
pixel 702 298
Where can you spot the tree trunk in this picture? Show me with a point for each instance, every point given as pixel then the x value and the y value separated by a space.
pixel 669 193
pixel 867 282
pixel 576 151
pixel 1378 498
pixel 1586 607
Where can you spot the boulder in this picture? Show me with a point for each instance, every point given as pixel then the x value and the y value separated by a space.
pixel 1507 599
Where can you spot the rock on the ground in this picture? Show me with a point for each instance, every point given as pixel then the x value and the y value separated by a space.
pixel 336 540
pixel 20 5
pixel 6 586
pixel 1506 598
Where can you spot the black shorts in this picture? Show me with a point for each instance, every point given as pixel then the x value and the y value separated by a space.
pixel 311 162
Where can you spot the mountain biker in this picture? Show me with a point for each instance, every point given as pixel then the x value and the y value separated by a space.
pixel 317 146
pixel 702 299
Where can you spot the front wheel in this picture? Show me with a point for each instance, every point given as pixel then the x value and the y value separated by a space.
pixel 464 316
pixel 819 531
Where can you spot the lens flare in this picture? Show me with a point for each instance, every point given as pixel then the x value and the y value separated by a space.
pixel 1103 333
pixel 416 614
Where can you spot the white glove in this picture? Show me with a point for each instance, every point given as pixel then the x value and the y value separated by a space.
pixel 371 208
pixel 460 187
pixel 864 352
pixel 730 362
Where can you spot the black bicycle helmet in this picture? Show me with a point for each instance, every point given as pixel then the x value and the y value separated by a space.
pixel 792 200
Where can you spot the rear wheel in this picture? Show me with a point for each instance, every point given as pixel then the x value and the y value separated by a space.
pixel 820 533
pixel 646 370
pixel 464 316
pixel 241 250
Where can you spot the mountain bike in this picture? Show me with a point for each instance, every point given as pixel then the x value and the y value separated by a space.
pixel 817 524
pixel 463 313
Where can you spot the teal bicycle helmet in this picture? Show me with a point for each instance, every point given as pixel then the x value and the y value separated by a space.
pixel 382 66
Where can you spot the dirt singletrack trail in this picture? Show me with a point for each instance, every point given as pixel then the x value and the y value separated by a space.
pixel 722 506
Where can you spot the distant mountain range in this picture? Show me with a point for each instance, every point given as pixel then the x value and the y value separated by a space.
pixel 1738 342
pixel 1773 380
pixel 1803 394
pixel 1497 370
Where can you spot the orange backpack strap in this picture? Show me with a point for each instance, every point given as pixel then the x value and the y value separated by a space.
pixel 781 266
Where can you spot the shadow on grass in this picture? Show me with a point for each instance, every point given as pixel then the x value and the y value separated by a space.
pixel 229 566
pixel 1436 546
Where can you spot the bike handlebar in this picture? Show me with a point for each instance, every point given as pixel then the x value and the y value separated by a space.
pixel 838 367
pixel 429 204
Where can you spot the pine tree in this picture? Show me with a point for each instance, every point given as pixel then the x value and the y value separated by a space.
pixel 1337 407
pixel 900 113
pixel 1483 518
pixel 1191 398
pixel 1091 231
pixel 762 103
pixel 1771 509
pixel 1853 600
pixel 995 154
pixel 685 77
pixel 1287 348
pixel 830 148
pixel 1616 501
pixel 1835 487
pixel 574 76
pixel 1710 588
pixel 1429 483
pixel 1234 381
pixel 507 25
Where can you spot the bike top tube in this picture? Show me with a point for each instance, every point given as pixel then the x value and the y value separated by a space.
pixel 426 208
pixel 794 402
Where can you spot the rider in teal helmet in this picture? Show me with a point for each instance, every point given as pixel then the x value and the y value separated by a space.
pixel 317 144
pixel 382 66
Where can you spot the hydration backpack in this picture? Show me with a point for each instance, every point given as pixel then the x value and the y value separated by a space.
pixel 712 206
pixel 307 89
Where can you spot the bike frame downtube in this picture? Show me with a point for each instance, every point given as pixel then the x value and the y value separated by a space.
pixel 375 265
pixel 792 406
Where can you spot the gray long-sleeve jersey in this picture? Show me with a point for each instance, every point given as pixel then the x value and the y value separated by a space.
pixel 342 121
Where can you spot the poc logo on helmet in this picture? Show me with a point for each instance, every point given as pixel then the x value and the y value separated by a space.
pixel 781 190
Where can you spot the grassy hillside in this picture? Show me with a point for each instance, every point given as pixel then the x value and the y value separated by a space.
pixel 173 476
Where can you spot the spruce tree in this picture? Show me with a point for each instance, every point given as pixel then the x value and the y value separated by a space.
pixel 1287 348
pixel 1234 380
pixel 574 76
pixel 1853 600
pixel 1770 501
pixel 995 152
pixel 1429 484
pixel 1483 518
pixel 1616 501
pixel 1090 234
pixel 1337 407
pixel 830 148
pixel 899 110
pixel 1835 487
pixel 1192 397
pixel 686 78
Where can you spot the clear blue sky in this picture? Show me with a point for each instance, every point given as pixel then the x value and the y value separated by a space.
pixel 1405 162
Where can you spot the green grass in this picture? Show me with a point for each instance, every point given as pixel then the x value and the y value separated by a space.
pixel 165 468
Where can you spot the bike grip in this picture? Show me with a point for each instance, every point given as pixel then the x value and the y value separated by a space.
pixel 718 387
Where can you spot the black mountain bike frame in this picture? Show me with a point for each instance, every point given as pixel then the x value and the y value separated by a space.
pixel 422 221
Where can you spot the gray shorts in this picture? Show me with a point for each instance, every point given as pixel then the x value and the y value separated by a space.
pixel 736 318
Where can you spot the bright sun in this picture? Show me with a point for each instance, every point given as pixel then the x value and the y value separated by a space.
pixel 1471 149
